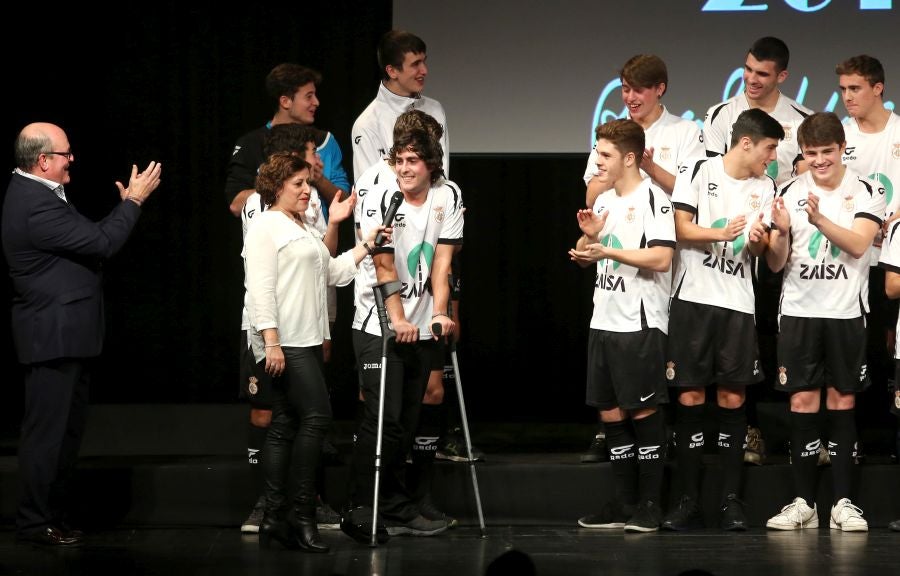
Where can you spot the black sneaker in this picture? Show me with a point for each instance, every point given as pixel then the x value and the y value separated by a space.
pixel 685 516
pixel 356 523
pixel 418 526
pixel 598 451
pixel 645 519
pixel 612 516
pixel 429 511
pixel 453 448
pixel 733 517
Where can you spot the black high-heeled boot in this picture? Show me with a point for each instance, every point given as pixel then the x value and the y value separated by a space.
pixel 306 531
pixel 279 530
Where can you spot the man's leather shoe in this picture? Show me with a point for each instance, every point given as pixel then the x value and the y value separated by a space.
pixel 52 536
pixel 356 523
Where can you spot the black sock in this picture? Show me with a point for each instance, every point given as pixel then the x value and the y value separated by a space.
pixel 841 446
pixel 689 447
pixel 805 454
pixel 651 440
pixel 732 436
pixel 623 457
pixel 256 438
pixel 420 472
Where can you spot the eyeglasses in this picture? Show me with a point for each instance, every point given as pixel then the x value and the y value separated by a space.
pixel 69 156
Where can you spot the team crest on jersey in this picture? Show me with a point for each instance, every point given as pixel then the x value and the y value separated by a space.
pixel 787 132
pixel 895 151
pixel 439 214
pixel 252 387
pixel 782 375
pixel 849 203
pixel 665 153
pixel 755 202
pixel 670 370
pixel 630 216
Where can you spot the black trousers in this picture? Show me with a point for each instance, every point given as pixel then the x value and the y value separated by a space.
pixel 301 414
pixel 408 366
pixel 56 406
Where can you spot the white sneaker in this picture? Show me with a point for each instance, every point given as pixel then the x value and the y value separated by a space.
pixel 795 516
pixel 847 517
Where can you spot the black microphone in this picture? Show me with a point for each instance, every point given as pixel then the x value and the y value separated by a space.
pixel 392 208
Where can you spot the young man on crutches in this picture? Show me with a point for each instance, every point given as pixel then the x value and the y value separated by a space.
pixel 427 227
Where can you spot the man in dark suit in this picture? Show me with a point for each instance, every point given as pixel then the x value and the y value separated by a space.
pixel 54 256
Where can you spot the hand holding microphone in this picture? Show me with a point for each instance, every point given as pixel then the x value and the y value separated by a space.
pixel 389 215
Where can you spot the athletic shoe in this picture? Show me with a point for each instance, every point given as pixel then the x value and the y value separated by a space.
pixel 453 448
pixel 733 517
pixel 429 511
pixel 795 516
pixel 598 451
pixel 326 517
pixel 418 526
pixel 895 525
pixel 645 519
pixel 685 516
pixel 755 453
pixel 251 524
pixel 847 517
pixel 612 516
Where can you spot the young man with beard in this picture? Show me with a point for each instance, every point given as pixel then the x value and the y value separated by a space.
pixel 765 69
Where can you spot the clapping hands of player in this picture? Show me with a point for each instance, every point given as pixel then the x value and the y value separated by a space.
pixel 591 223
pixel 781 218
pixel 757 231
pixel 812 209
pixel 734 228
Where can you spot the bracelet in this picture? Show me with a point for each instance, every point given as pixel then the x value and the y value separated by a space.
pixel 135 199
pixel 275 345
pixel 433 316
pixel 368 248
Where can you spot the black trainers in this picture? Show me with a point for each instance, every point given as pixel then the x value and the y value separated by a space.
pixel 685 516
pixel 645 519
pixel 453 448
pixel 356 523
pixel 612 516
pixel 429 511
pixel 418 526
pixel 733 517
pixel 598 451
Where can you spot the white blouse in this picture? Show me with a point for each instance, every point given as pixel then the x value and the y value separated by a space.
pixel 288 269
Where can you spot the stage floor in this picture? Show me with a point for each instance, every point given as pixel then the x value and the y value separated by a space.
pixel 557 551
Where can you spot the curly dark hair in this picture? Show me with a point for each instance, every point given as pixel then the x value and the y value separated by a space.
pixel 277 170
pixel 423 144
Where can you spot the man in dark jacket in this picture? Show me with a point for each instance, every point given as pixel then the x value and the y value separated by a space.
pixel 54 256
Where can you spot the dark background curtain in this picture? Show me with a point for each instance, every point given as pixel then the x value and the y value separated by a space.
pixel 179 84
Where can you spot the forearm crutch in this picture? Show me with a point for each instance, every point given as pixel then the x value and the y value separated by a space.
pixel 386 334
pixel 451 342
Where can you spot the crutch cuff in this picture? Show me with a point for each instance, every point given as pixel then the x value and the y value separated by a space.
pixel 389 288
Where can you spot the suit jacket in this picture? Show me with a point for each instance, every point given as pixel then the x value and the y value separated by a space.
pixel 54 256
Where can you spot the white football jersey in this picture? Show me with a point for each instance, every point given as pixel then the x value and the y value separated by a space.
pixel 877 157
pixel 820 279
pixel 890 261
pixel 626 298
pixel 718 273
pixel 675 141
pixel 717 128
pixel 417 232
